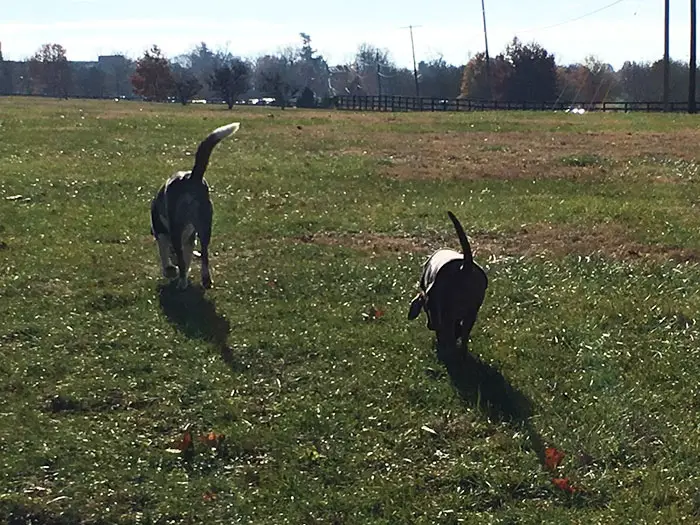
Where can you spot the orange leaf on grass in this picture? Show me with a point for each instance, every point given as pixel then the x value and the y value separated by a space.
pixel 212 439
pixel 209 495
pixel 372 314
pixel 185 442
pixel 564 484
pixel 552 458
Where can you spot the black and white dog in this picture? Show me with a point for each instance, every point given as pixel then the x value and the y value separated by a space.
pixel 453 288
pixel 182 209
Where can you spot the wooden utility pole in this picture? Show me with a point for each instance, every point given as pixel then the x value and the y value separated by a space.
pixel 486 51
pixel 666 52
pixel 693 57
pixel 415 69
pixel 379 78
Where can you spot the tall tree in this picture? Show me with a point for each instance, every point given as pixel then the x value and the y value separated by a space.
pixel 90 82
pixel 275 77
pixel 592 81
pixel 439 79
pixel 635 80
pixel 231 80
pixel 186 83
pixel 153 79
pixel 49 71
pixel 534 74
pixel 202 62
pixel 311 68
pixel 603 82
pixel 118 71
pixel 475 82
pixel 6 77
pixel 372 65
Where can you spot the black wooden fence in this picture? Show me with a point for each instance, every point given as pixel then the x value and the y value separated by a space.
pixel 394 103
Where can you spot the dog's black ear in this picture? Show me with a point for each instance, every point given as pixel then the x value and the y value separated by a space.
pixel 464 241
pixel 416 306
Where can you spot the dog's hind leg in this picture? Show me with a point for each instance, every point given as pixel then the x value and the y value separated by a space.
pixel 180 259
pixel 165 247
pixel 188 237
pixel 466 327
pixel 164 250
pixel 203 228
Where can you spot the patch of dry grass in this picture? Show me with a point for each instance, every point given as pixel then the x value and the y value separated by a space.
pixel 553 241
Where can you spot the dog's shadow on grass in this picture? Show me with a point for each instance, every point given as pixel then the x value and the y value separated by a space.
pixel 483 386
pixel 195 315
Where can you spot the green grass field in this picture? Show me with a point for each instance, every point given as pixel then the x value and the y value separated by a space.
pixel 333 407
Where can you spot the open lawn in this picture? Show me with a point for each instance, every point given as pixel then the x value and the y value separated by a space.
pixel 333 407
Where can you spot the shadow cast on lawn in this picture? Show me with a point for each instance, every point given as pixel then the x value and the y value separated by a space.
pixel 481 385
pixel 195 315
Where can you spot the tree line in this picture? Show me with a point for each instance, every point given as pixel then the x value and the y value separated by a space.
pixel 300 75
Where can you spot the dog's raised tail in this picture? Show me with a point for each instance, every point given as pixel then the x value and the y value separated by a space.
pixel 464 241
pixel 201 160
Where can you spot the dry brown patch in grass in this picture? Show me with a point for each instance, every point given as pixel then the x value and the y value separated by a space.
pixel 528 155
pixel 504 155
pixel 609 240
pixel 370 242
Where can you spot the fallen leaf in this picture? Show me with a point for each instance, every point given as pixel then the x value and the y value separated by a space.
pixel 372 314
pixel 185 443
pixel 564 484
pixel 212 439
pixel 552 458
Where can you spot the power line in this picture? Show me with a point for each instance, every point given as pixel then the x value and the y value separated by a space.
pixel 575 19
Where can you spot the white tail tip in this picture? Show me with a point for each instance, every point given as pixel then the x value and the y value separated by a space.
pixel 225 131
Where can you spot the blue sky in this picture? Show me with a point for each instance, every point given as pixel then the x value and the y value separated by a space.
pixel 628 30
